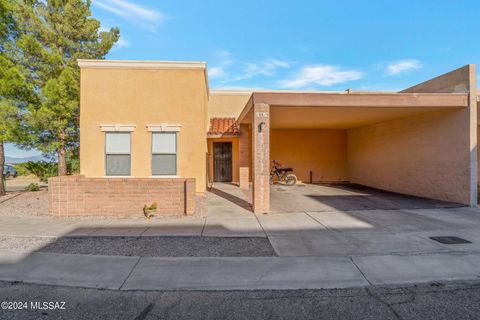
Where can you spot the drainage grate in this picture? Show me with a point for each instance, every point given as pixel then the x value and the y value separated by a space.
pixel 450 240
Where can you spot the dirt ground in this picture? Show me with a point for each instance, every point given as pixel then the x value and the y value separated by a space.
pixel 21 182
pixel 18 202
pixel 24 204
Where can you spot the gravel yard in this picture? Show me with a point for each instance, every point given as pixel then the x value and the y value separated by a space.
pixel 25 204
pixel 144 246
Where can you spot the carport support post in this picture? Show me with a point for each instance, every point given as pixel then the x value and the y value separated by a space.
pixel 261 157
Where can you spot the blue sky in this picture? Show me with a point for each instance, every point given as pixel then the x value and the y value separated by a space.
pixel 324 45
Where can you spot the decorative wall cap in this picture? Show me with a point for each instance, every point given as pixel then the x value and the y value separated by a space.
pixel 164 127
pixel 140 64
pixel 117 127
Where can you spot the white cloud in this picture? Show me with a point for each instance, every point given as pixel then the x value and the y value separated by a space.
pixel 122 43
pixel 265 68
pixel 224 59
pixel 144 17
pixel 224 56
pixel 403 66
pixel 229 70
pixel 324 75
pixel 216 72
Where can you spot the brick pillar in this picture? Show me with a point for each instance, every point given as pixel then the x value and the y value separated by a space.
pixel 190 194
pixel 243 147
pixel 261 157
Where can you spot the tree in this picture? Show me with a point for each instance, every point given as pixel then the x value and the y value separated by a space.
pixel 15 92
pixel 53 35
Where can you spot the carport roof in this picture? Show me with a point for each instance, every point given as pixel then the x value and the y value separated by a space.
pixel 346 110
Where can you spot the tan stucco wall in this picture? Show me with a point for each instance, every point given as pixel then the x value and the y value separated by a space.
pixel 141 97
pixel 461 80
pixel 235 154
pixel 227 104
pixel 478 153
pixel 318 150
pixel 426 155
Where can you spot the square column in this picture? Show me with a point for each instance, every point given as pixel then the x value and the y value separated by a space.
pixel 261 157
pixel 243 150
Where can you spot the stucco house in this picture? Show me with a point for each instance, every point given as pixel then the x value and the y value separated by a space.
pixel 153 131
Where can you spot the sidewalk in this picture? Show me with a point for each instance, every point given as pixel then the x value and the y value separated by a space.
pixel 315 250
pixel 133 273
pixel 314 234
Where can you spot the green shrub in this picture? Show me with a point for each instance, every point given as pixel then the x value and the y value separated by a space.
pixel 22 171
pixel 33 187
pixel 42 169
pixel 73 166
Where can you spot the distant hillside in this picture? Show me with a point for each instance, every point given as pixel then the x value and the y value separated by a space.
pixel 21 160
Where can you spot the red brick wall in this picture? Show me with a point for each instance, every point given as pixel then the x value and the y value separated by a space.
pixel 244 151
pixel 261 158
pixel 121 197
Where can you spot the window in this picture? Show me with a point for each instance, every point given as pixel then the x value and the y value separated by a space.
pixel 117 153
pixel 164 153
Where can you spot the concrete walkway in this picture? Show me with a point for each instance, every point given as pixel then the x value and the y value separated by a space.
pixel 315 234
pixel 316 250
pixel 134 273
pixel 320 249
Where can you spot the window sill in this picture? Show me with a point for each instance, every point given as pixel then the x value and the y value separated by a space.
pixel 164 177
pixel 129 177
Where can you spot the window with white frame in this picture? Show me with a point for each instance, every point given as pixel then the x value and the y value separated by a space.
pixel 117 153
pixel 164 153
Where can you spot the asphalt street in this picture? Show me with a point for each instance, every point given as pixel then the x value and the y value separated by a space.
pixel 452 300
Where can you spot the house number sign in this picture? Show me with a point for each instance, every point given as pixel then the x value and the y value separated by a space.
pixel 261 114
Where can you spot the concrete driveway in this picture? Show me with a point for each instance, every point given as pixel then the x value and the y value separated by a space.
pixel 343 197
pixel 346 220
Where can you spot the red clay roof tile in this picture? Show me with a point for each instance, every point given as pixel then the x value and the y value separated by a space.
pixel 224 127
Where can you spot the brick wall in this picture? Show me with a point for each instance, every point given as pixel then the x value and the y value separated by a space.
pixel 425 155
pixel 244 151
pixel 121 197
pixel 261 158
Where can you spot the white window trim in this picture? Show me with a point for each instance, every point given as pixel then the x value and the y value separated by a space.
pixel 164 127
pixel 176 152
pixel 105 155
pixel 117 127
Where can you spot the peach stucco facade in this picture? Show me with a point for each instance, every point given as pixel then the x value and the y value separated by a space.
pixel 421 141
pixel 143 96
pixel 320 151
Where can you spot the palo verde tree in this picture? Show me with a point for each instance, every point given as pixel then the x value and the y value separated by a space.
pixel 53 35
pixel 16 94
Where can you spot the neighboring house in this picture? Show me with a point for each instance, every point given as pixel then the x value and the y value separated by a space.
pixel 153 131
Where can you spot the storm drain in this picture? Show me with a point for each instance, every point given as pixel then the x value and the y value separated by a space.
pixel 450 240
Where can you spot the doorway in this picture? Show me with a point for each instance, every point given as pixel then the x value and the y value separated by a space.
pixel 222 162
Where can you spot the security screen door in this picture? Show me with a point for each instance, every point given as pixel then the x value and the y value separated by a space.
pixel 222 161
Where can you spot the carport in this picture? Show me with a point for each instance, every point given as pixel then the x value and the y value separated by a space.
pixel 419 142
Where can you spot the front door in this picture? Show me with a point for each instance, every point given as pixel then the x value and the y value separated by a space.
pixel 222 161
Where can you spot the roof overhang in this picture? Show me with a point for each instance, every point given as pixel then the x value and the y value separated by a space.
pixel 347 110
pixel 390 100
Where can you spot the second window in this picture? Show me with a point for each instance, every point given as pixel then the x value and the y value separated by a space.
pixel 164 153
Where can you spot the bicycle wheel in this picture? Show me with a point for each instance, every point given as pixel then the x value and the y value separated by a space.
pixel 290 179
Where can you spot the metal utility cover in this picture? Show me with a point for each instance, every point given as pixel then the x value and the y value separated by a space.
pixel 450 240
